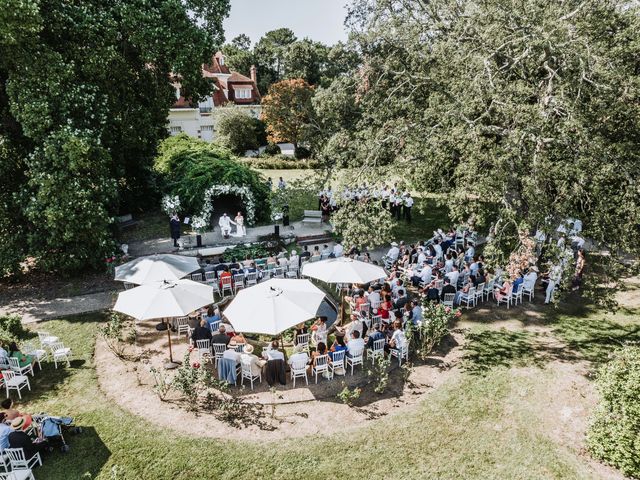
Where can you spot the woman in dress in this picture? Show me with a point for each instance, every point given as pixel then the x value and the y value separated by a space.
pixel 239 221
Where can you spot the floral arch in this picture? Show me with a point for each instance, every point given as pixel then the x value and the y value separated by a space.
pixel 201 221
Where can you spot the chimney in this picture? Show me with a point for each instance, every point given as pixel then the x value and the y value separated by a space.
pixel 254 74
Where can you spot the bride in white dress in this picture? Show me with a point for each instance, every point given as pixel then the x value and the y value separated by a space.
pixel 240 229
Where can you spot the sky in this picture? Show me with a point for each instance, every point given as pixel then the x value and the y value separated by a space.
pixel 320 20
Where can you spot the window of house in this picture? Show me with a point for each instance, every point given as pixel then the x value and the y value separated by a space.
pixel 207 128
pixel 175 129
pixel 243 93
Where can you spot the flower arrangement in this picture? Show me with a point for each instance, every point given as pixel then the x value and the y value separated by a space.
pixel 170 204
pixel 199 223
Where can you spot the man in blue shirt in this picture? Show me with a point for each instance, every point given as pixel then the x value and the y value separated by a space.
pixel 375 335
pixel 517 282
pixel 5 430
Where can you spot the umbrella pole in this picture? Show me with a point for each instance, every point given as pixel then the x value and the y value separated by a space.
pixel 169 337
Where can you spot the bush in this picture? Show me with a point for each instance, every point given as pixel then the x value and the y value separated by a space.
pixel 434 327
pixel 279 162
pixel 237 131
pixel 614 433
pixel 11 330
pixel 301 153
pixel 272 149
pixel 240 252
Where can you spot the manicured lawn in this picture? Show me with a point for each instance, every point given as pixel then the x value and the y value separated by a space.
pixel 485 425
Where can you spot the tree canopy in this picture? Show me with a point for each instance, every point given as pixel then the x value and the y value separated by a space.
pixel 521 112
pixel 85 88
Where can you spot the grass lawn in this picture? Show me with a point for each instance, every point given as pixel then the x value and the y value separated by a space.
pixel 485 422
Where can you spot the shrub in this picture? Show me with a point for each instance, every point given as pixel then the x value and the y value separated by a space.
pixel 348 396
pixel 237 131
pixel 240 252
pixel 379 371
pixel 279 162
pixel 191 379
pixel 301 153
pixel 12 325
pixel 614 432
pixel 434 327
pixel 272 149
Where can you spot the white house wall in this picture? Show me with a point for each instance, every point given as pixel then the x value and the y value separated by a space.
pixel 202 125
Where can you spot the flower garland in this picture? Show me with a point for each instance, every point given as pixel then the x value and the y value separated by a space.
pixel 170 204
pixel 201 221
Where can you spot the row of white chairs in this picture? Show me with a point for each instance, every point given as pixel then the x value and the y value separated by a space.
pixel 16 466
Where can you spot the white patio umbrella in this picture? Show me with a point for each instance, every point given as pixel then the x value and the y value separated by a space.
pixel 343 270
pixel 273 306
pixel 164 299
pixel 156 268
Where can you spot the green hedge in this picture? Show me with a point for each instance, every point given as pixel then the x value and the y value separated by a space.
pixel 614 433
pixel 280 162
pixel 189 167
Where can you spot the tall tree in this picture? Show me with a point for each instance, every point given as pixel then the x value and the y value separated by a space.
pixel 287 111
pixel 84 100
pixel 524 112
pixel 238 54
pixel 270 54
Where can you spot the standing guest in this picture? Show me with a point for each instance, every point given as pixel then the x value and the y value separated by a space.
pixel 174 227
pixel 319 331
pixel 269 184
pixel 408 204
pixel 580 264
pixel 393 252
pixel 338 250
pixel 294 259
pixel 416 313
pixel 281 184
pixel 554 277
pixel 385 308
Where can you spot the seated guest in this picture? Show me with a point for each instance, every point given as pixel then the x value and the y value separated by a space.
pixel 273 353
pixel 355 343
pixel 320 350
pixel 479 277
pixel 294 259
pixel 453 276
pixel 447 288
pixel 517 282
pixel 376 334
pixel 504 291
pixel 306 253
pixel 401 301
pixel 338 344
pixel 239 339
pixel 247 261
pixel 464 290
pixel 338 250
pixel 299 356
pixel 366 257
pixel 316 251
pixel 5 430
pixel 373 297
pixel 221 336
pixel 393 252
pixel 301 329
pixel 23 359
pixel 248 357
pixel 448 263
pixel 9 412
pixel 282 260
pixel 201 332
pixel 18 439
pixel 319 330
pixel 225 274
pixel 385 308
pixel 398 339
pixel 212 316
pixel 326 251
pixel 231 353
pixel 530 278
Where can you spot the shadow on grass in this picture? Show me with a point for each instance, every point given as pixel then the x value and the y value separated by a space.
pixel 489 349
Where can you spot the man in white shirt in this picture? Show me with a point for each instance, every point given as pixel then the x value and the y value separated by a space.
pixel 421 256
pixel 225 225
pixel 393 252
pixel 326 251
pixel 438 248
pixel 470 253
pixel 299 356
pixel 374 297
pixel 398 339
pixel 384 194
pixel 408 203
pixel 230 352
pixel 577 242
pixel 355 343
pixel 294 259
pixel 273 353
pixel 338 250
pixel 453 276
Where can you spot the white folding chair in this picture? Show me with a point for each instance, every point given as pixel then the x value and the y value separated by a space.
pixel 303 339
pixel 14 363
pixel 197 277
pixel 400 353
pixel 129 286
pixel 18 460
pixel 15 382
pixel 355 358
pixel 469 298
pixel 505 298
pixel 321 366
pixel 376 320
pixel 516 296
pixel 376 350
pixel 210 277
pixel 227 285
pixel 38 354
pixel 238 282
pixel 218 351
pixel 479 292
pixel 448 299
pixel 204 350
pixel 240 348
pixel 182 325
pixel 248 374
pixel 489 288
pixel 214 326
pixel 529 292
pixel 46 339
pixel 60 353
pixel 19 474
pixel 278 272
pixel 299 370
pixel 337 362
pixel 251 278
pixel 293 271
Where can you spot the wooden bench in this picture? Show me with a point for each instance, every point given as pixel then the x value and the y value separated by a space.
pixel 126 221
pixel 312 216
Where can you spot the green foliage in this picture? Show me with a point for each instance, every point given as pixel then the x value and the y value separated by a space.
pixel 379 372
pixel 118 332
pixel 11 329
pixel 236 130
pixel 434 327
pixel 191 380
pixel 302 153
pixel 348 395
pixel 189 167
pixel 280 162
pixel 614 433
pixel 363 224
pixel 465 98
pixel 272 149
pixel 240 252
pixel 85 89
